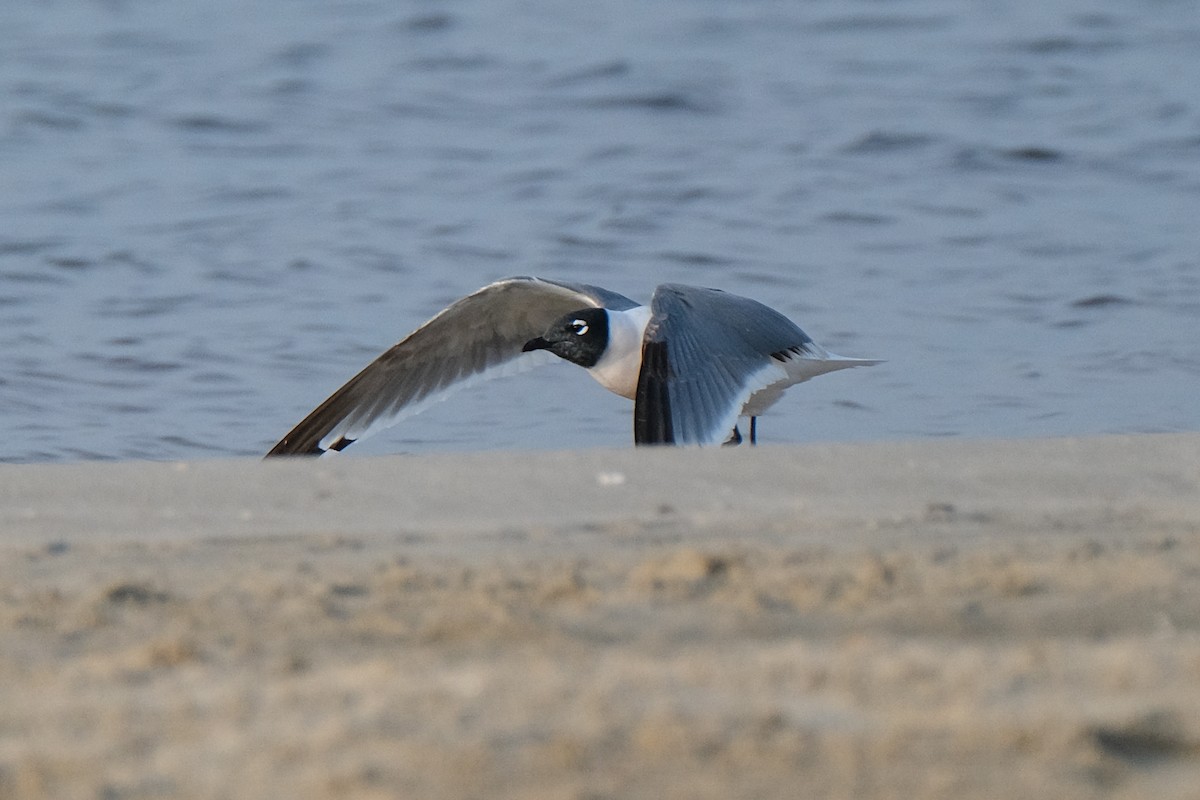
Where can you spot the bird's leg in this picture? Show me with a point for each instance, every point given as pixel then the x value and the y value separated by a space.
pixel 754 430
pixel 735 438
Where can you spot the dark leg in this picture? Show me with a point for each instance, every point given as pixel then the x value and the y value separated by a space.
pixel 735 438
pixel 754 430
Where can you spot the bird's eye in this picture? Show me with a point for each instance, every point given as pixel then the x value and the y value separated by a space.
pixel 579 327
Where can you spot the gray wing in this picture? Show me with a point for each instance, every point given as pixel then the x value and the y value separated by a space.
pixel 705 352
pixel 477 334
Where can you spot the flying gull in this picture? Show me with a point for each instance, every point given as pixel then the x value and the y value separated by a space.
pixel 693 361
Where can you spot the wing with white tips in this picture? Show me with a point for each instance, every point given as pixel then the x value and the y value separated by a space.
pixel 706 353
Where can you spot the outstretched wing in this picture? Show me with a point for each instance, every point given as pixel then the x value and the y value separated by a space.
pixel 705 353
pixel 473 336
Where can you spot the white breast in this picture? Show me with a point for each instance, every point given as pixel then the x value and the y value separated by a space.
pixel 618 368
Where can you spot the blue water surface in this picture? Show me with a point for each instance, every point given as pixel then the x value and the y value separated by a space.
pixel 211 215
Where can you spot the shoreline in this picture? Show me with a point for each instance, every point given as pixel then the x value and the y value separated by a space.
pixel 827 484
pixel 936 618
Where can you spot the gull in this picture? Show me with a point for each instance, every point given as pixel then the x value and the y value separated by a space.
pixel 693 360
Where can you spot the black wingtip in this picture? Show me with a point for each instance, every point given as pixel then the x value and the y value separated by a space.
pixel 285 448
pixel 652 405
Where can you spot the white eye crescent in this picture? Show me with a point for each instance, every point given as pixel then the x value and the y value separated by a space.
pixel 579 327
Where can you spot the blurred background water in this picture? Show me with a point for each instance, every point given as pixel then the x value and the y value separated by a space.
pixel 212 214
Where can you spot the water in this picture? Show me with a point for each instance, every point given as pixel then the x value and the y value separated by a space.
pixel 213 214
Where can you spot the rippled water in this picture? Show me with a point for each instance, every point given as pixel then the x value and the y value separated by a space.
pixel 213 217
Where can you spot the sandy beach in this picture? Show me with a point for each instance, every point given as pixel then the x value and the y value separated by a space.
pixel 957 619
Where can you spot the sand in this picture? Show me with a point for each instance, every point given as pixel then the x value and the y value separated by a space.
pixel 935 619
